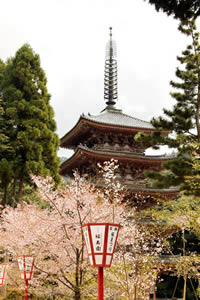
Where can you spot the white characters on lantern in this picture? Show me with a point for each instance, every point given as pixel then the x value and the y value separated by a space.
pixel 112 234
pixel 98 233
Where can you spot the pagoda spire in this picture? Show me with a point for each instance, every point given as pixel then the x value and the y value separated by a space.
pixel 110 76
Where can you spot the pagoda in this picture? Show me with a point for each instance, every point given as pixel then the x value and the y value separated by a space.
pixel 111 134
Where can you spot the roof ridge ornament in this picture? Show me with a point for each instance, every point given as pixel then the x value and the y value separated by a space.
pixel 110 76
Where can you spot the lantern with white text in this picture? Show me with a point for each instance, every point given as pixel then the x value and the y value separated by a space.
pixel 100 239
pixel 25 264
pixel 2 273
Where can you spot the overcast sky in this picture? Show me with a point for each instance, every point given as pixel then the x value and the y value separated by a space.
pixel 70 37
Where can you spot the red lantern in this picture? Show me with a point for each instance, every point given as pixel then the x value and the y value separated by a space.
pixel 100 239
pixel 25 264
pixel 2 273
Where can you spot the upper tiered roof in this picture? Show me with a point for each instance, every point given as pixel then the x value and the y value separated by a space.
pixel 114 116
pixel 110 119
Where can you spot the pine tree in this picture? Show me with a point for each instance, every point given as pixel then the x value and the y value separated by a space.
pixel 183 120
pixel 180 9
pixel 29 118
pixel 179 129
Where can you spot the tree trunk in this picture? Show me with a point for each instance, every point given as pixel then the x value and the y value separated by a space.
pixel 77 294
pixel 14 191
pixel 5 196
pixel 135 292
pixel 135 287
pixel 185 276
pixel 184 289
pixel 20 191
pixel 196 52
pixel 197 116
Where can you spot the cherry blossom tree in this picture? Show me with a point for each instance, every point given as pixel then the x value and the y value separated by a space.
pixel 137 262
pixel 139 247
pixel 54 236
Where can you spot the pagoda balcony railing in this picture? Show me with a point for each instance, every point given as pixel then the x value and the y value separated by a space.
pixel 129 150
pixel 117 149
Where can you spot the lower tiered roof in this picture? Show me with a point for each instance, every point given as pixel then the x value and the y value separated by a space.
pixel 83 154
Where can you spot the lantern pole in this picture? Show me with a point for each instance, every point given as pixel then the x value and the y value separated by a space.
pixel 26 290
pixel 100 283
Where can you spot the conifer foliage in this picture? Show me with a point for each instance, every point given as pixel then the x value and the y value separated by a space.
pixel 181 9
pixel 28 119
pixel 3 138
pixel 6 170
pixel 182 121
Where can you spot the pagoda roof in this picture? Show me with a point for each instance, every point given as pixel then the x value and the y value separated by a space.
pixel 115 116
pixel 83 154
pixel 110 118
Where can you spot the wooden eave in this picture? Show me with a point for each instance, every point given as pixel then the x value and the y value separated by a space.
pixel 83 126
pixel 83 154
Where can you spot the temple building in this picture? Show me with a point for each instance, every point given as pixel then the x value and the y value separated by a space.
pixel 110 134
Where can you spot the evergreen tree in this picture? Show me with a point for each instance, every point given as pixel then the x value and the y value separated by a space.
pixel 6 172
pixel 3 137
pixel 183 120
pixel 29 118
pixel 2 133
pixel 180 130
pixel 181 9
